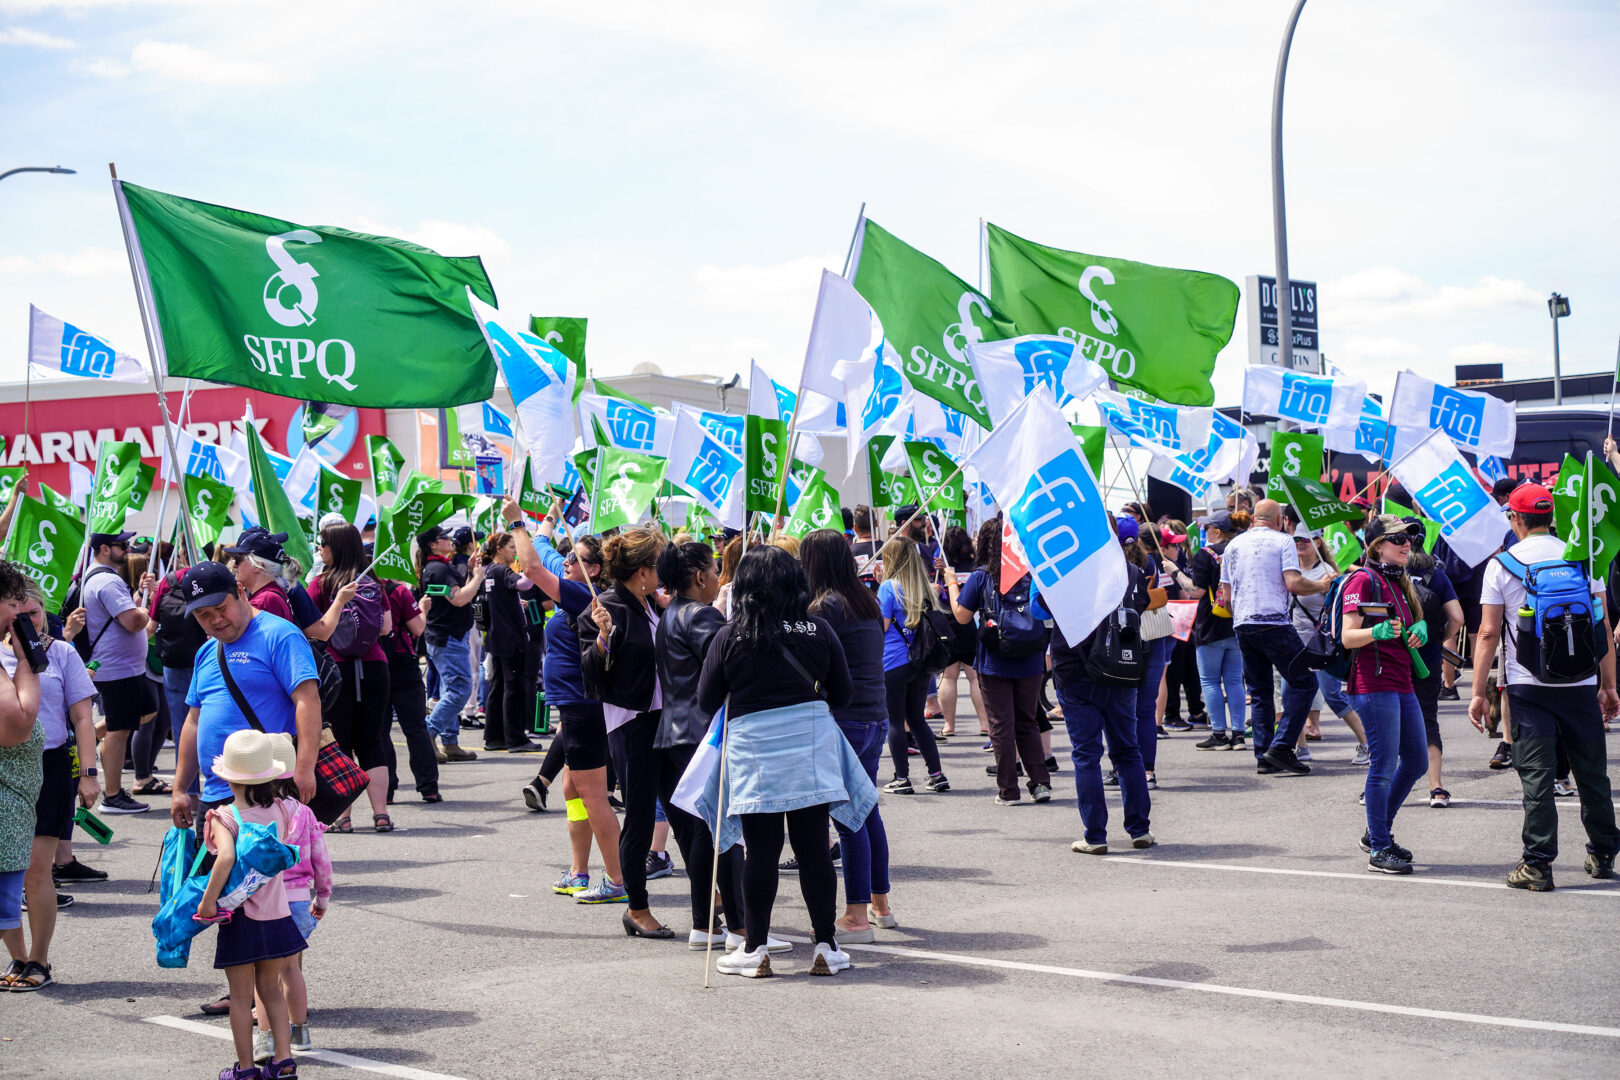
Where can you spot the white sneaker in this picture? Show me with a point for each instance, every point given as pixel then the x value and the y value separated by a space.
pixel 735 943
pixel 697 940
pixel 264 1046
pixel 750 965
pixel 1363 755
pixel 830 959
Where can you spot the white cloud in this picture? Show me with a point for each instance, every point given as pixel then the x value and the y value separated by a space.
pixel 186 63
pixel 21 35
pixel 106 69
pixel 1384 294
pixel 89 263
pixel 1488 352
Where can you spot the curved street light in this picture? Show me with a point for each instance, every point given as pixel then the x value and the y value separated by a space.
pixel 39 168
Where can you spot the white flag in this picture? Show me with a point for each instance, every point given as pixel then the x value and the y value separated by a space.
pixel 58 348
pixel 81 481
pixel 704 466
pixel 1372 436
pixel 1035 469
pixel 200 458
pixel 541 381
pixel 845 336
pixel 1308 400
pixel 629 425
pixel 1478 422
pixel 769 398
pixel 1008 370
pixel 1164 429
pixel 300 481
pixel 1445 489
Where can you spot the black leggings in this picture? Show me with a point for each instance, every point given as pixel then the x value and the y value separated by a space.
pixel 509 711
pixel 408 697
pixel 696 842
pixel 360 723
pixel 907 695
pixel 638 766
pixel 807 832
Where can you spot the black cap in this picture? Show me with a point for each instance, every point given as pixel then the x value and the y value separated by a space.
pixel 462 536
pixel 1380 527
pixel 99 539
pixel 432 534
pixel 261 542
pixel 207 584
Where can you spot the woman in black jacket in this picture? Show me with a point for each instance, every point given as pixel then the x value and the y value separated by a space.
pixel 620 669
pixel 691 580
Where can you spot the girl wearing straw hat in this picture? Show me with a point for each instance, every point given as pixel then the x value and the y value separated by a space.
pixel 253 944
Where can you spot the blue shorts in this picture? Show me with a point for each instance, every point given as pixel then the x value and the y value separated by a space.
pixel 301 917
pixel 11 895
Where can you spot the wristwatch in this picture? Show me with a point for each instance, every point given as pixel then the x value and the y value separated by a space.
pixel 88 772
pixel 520 523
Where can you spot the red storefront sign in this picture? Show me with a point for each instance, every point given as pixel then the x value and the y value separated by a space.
pixel 70 429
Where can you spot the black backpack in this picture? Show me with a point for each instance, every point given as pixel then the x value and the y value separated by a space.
pixel 1115 653
pixel 178 636
pixel 1010 631
pixel 82 643
pixel 928 647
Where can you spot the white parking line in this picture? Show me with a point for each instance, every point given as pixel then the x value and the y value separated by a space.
pixel 332 1056
pixel 1234 991
pixel 1592 889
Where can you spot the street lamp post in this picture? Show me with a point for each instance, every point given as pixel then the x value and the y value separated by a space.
pixel 1558 308
pixel 39 168
pixel 1285 297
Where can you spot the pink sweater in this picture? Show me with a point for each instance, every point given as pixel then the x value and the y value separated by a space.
pixel 314 865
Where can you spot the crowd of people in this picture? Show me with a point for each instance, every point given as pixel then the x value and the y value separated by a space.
pixel 830 658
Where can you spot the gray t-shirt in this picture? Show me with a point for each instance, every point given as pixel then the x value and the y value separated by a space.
pixel 1307 609
pixel 1253 565
pixel 122 653
pixel 63 684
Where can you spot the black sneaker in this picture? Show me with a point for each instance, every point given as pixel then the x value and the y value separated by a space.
pixel 1387 862
pixel 1217 740
pixel 990 770
pixel 76 871
pixel 1400 852
pixel 1237 742
pixel 615 802
pixel 789 867
pixel 1111 779
pixel 1052 764
pixel 1200 720
pixel 937 783
pixel 659 864
pixel 1503 759
pixel 63 900
pixel 1160 733
pixel 837 852
pixel 534 795
pixel 1263 767
pixel 1176 723
pixel 121 803
pixel 900 785
pixel 1286 760
pixel 1449 693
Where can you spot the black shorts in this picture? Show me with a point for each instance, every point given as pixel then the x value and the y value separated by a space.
pixel 1427 692
pixel 584 736
pixel 53 810
pixel 125 701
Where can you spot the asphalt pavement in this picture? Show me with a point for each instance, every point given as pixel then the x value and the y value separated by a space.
pixel 1250 942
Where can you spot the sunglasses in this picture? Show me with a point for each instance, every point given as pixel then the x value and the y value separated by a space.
pixel 1402 539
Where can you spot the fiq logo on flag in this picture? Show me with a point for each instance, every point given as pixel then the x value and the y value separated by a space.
pixel 632 426
pixel 1452 497
pixel 85 354
pixel 1305 398
pixel 1461 416
pixel 711 472
pixel 1056 536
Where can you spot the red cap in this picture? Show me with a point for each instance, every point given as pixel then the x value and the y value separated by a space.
pixel 1530 499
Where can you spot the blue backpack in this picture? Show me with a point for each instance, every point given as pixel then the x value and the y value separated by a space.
pixel 260 856
pixel 1556 635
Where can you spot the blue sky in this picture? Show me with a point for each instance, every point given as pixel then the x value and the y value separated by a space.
pixel 679 173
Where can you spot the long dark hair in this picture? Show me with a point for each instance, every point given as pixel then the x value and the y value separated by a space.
pixel 988 550
pixel 348 557
pixel 769 589
pixel 829 567
pixel 957 547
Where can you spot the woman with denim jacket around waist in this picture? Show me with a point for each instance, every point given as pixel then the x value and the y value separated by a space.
pixel 620 669
pixel 777 669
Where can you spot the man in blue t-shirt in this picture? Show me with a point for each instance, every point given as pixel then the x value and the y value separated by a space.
pixel 272 665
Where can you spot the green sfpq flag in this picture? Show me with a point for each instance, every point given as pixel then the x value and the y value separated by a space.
pixel 45 543
pixel 765 461
pixel 1293 453
pixel 532 498
pixel 930 317
pixel 414 483
pixel 321 418
pixel 566 334
pixel 888 489
pixel 10 477
pixel 142 486
pixel 337 494
pixel 817 508
pixel 1150 327
pixel 311 312
pixel 118 468
pixel 208 501
pixel 386 461
pixel 1093 441
pixel 936 476
pixel 1343 544
pixel 55 500
pixel 1431 529
pixel 1315 502
pixel 1586 493
pixel 271 506
pixel 624 485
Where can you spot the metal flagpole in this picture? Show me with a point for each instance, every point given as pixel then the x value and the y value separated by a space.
pixel 143 285
pixel 714 866
pixel 1616 387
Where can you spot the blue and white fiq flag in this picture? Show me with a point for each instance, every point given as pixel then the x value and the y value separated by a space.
pixel 1008 370
pixel 703 465
pixel 1313 401
pixel 1445 489
pixel 1478 422
pixel 541 381
pixel 1035 469
pixel 60 348
pixel 698 790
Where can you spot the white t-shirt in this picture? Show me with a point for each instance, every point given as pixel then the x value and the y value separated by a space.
pixel 1253 565
pixel 1501 587
pixel 63 684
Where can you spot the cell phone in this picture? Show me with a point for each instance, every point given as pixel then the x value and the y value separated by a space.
pixel 1375 609
pixel 38 658
pixel 99 831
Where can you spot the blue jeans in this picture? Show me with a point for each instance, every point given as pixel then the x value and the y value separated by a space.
pixel 1089 710
pixel 176 683
pixel 1220 673
pixel 455 686
pixel 1332 691
pixel 866 850
pixel 1266 646
pixel 1147 701
pixel 1400 754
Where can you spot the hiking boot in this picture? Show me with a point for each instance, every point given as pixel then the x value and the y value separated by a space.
pixel 438 752
pixel 1503 759
pixel 455 752
pixel 1216 740
pixel 1285 760
pixel 1600 866
pixel 1387 862
pixel 1532 877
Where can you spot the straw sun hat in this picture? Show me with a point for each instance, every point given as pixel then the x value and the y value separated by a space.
pixel 282 745
pixel 249 758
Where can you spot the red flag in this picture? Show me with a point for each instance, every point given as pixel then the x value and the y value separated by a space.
pixel 1013 563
